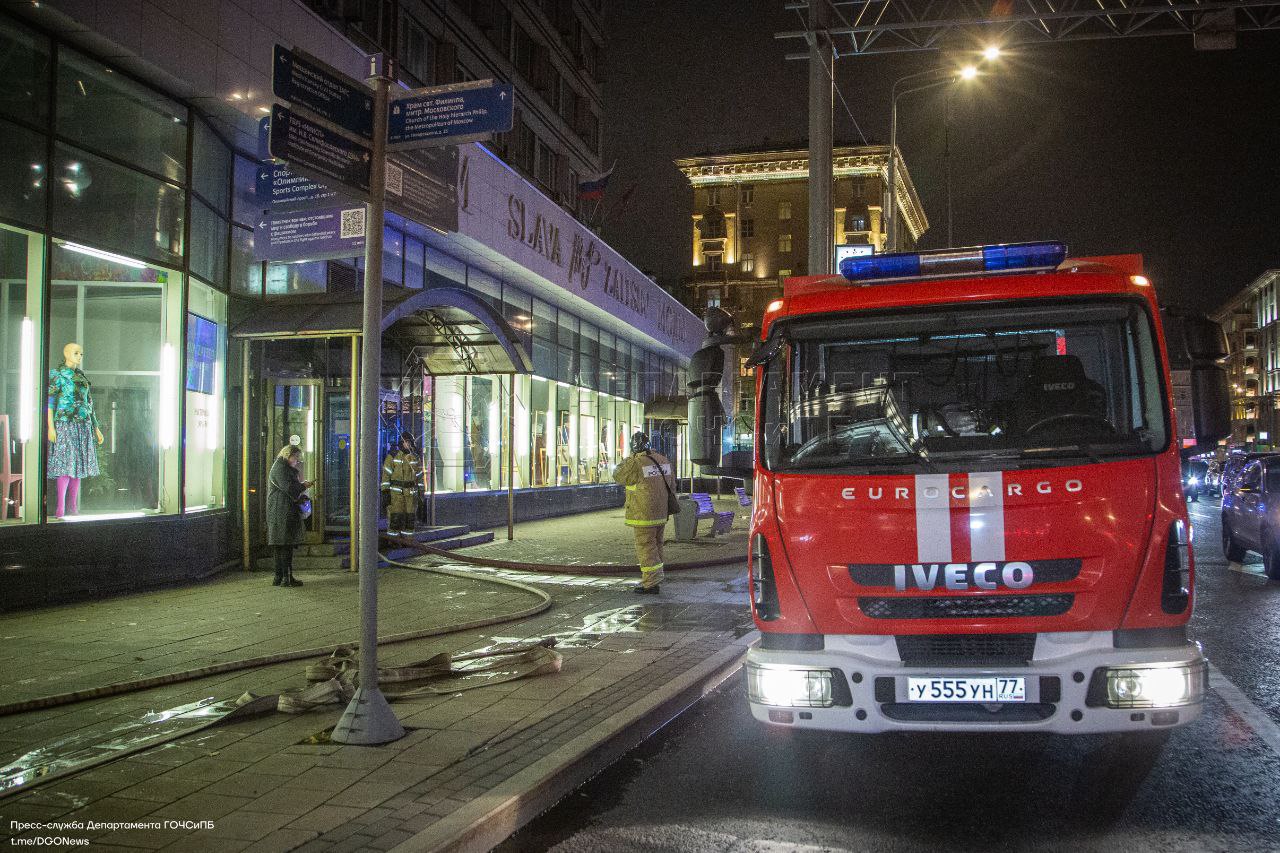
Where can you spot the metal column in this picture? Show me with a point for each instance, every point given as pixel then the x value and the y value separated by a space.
pixel 368 719
pixel 511 458
pixel 821 92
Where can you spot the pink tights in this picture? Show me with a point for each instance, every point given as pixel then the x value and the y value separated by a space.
pixel 63 483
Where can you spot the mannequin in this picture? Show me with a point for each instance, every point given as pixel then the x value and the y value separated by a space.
pixel 73 428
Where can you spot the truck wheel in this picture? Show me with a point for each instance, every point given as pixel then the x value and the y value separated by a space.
pixel 1271 557
pixel 1230 549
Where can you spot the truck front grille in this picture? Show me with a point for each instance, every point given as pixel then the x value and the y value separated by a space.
pixel 965 650
pixel 967 606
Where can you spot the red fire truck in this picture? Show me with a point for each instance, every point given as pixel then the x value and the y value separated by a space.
pixel 968 508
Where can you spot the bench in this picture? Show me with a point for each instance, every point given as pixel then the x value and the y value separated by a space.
pixel 695 508
pixel 744 499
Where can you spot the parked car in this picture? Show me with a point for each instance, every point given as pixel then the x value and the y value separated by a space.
pixel 1213 479
pixel 1251 514
pixel 1232 467
pixel 1194 474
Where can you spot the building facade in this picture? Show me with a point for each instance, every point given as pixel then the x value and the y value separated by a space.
pixel 750 230
pixel 517 347
pixel 1252 324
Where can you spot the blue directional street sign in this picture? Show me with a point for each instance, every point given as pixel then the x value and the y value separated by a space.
pixel 307 82
pixel 433 116
pixel 279 186
pixel 315 150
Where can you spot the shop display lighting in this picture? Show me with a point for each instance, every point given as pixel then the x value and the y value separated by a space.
pixel 103 255
pixel 168 404
pixel 27 382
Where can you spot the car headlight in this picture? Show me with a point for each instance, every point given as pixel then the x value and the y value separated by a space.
pixel 793 687
pixel 1150 686
pixel 1191 481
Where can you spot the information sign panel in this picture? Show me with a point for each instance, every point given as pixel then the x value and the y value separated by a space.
pixel 279 186
pixel 309 147
pixel 423 186
pixel 311 235
pixel 307 82
pixel 436 114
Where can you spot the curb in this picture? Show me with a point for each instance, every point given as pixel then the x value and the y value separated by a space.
pixel 492 818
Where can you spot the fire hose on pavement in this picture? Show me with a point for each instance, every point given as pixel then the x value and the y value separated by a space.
pixel 135 685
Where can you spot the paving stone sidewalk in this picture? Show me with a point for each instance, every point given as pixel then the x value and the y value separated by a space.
pixel 265 790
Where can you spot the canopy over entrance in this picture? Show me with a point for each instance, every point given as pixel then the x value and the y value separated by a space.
pixel 452 330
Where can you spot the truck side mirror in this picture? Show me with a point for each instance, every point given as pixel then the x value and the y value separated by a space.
pixel 1210 395
pixel 1198 344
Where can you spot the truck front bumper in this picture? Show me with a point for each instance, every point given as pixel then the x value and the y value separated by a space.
pixel 1076 683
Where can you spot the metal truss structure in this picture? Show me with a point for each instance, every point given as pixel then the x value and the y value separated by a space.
pixel 861 27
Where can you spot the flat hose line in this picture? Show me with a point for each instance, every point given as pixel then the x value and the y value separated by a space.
pixel 563 569
pixel 122 687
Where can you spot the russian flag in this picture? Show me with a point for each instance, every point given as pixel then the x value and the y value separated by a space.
pixel 593 190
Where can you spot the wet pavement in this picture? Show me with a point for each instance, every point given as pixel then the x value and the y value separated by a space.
pixel 715 779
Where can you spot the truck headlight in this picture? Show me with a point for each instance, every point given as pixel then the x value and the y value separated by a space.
pixel 1150 686
pixel 793 687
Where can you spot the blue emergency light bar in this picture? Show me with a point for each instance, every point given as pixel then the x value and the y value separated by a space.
pixel 1007 257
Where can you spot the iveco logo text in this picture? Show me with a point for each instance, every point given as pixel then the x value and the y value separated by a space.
pixel 960 493
pixel 925 576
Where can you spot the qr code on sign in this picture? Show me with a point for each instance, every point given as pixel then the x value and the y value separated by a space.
pixel 352 224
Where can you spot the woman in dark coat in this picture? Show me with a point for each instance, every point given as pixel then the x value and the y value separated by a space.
pixel 284 516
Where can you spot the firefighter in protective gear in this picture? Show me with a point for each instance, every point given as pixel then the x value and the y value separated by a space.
pixel 401 476
pixel 648 478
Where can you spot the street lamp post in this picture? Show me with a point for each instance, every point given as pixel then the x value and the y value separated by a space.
pixel 923 80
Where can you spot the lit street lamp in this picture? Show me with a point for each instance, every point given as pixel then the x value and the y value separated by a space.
pixel 922 81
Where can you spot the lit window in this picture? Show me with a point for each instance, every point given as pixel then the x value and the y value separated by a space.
pixel 748 263
pixel 747 193
pixel 784 210
pixel 748 227
pixel 784 242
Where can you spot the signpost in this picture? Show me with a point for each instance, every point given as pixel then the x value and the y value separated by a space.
pixel 461 113
pixel 336 131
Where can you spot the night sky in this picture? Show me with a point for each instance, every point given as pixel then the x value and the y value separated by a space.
pixel 1131 145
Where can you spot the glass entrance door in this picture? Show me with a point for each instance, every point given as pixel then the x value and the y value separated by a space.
pixel 295 410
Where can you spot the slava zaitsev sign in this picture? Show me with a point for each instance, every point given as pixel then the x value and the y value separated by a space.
pixel 499 209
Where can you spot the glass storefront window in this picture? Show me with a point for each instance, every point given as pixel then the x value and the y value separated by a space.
pixel 21 433
pixel 246 209
pixel 588 438
pixel 392 255
pixel 208 243
pixel 211 165
pixel 109 205
pixel 24 67
pixel 205 388
pixel 106 111
pixel 484 433
pixel 246 273
pixel 304 277
pixel 523 436
pixel 122 316
pixel 542 418
pixel 451 439
pixel 24 175
pixel 566 435
pixel 413 262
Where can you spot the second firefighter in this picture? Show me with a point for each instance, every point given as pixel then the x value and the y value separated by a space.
pixel 401 480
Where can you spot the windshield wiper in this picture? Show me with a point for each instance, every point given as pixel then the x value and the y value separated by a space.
pixel 1078 449
pixel 869 462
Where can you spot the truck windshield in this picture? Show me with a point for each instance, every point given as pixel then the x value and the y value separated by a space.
pixel 1007 385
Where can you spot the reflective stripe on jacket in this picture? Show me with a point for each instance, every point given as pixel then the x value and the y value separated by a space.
pixel 400 472
pixel 647 476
